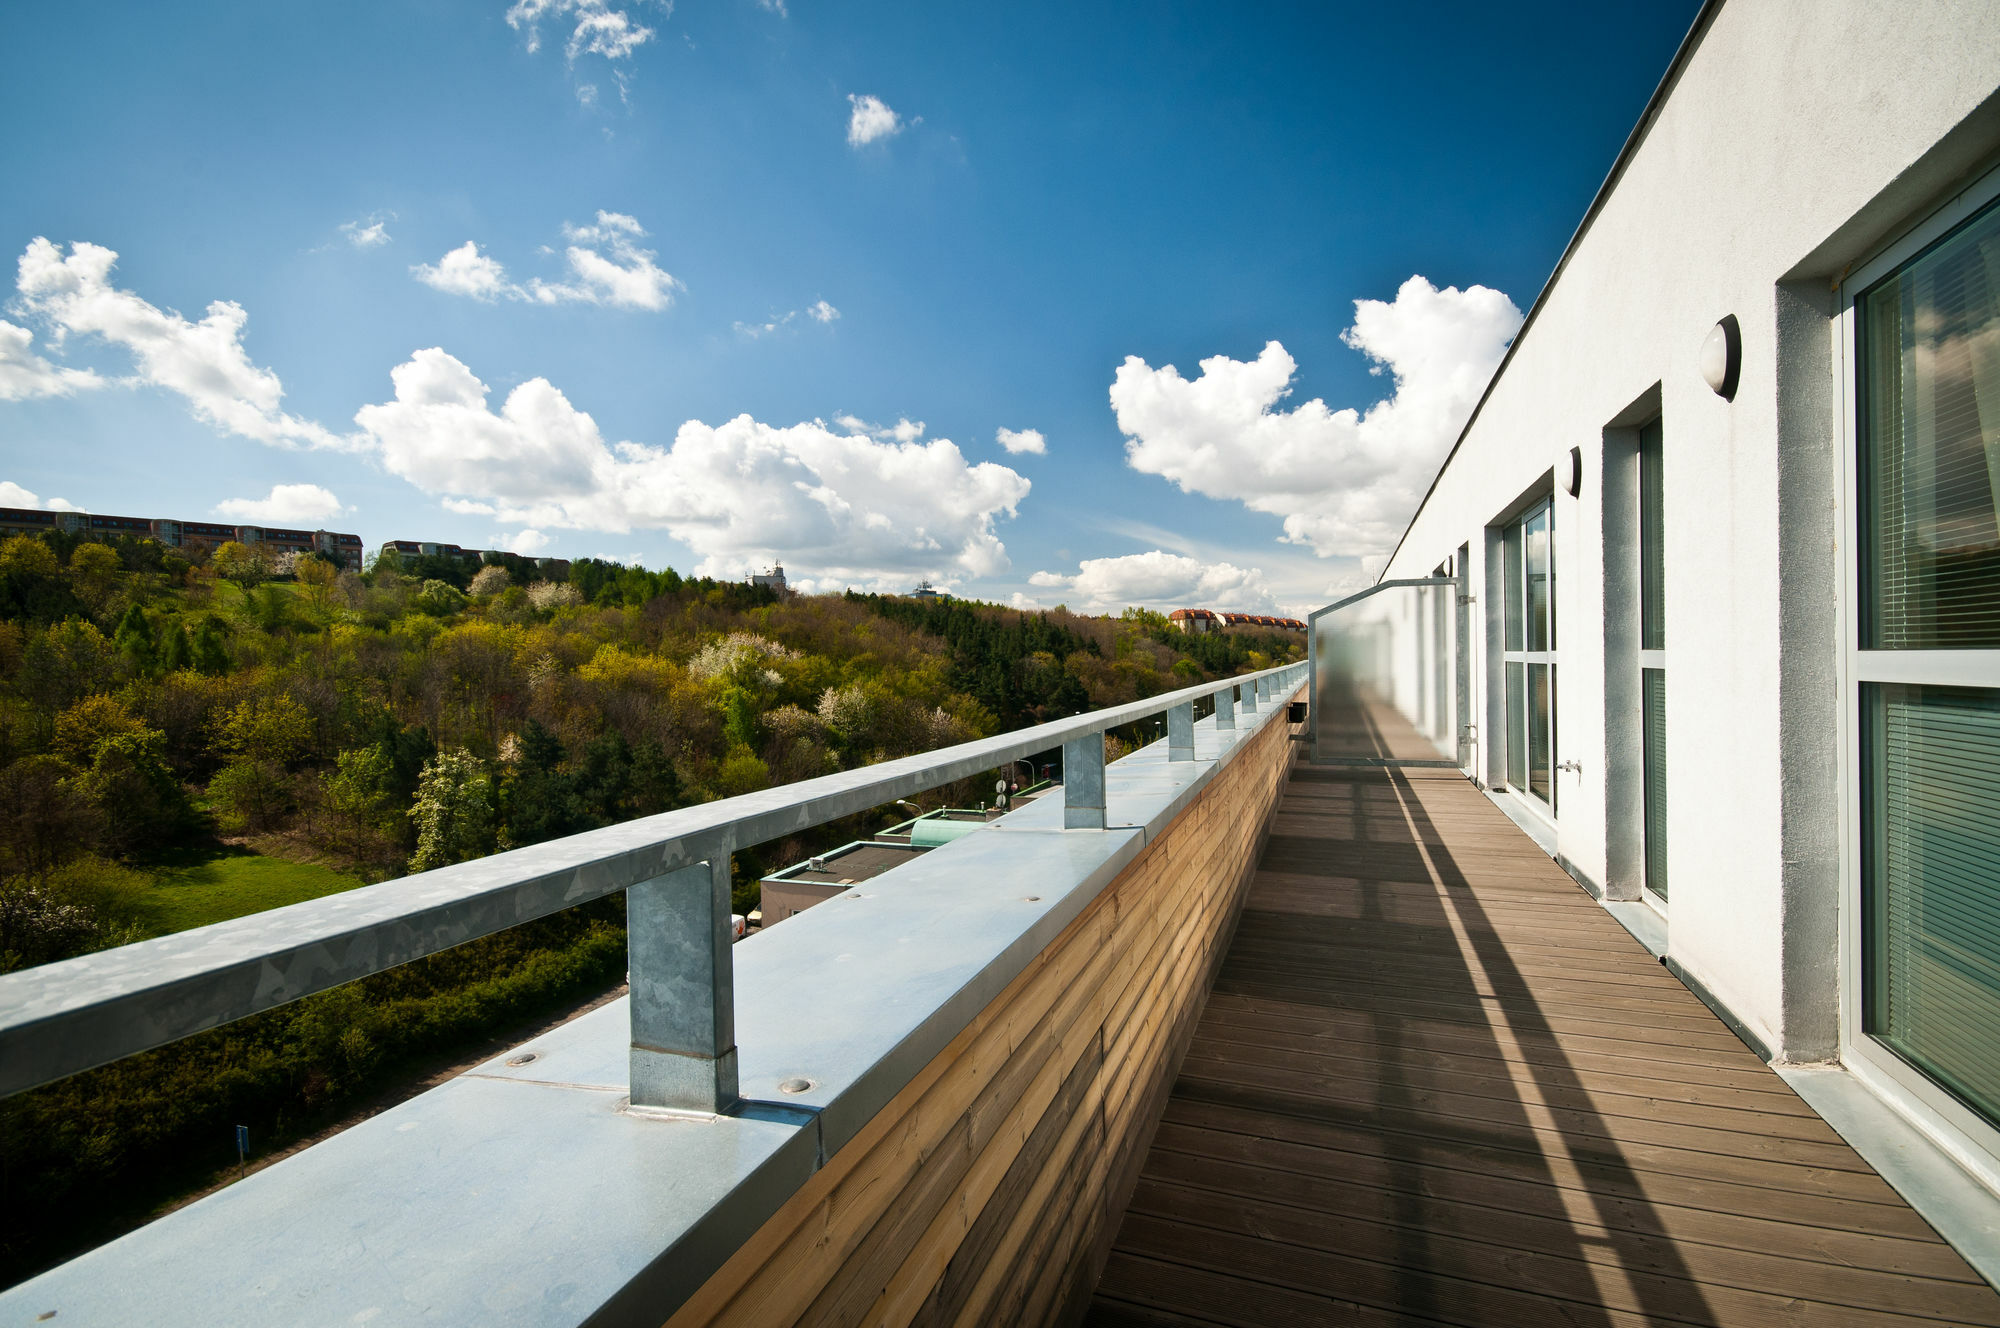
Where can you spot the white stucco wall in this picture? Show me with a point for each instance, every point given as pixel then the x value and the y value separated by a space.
pixel 1790 120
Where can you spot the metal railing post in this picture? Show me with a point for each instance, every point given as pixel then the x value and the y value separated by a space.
pixel 1083 783
pixel 1180 732
pixel 1248 691
pixel 678 938
pixel 1225 707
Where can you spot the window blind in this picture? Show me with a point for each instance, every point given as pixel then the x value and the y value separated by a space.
pixel 1930 426
pixel 1931 880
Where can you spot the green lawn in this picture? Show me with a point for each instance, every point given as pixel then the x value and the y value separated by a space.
pixel 196 893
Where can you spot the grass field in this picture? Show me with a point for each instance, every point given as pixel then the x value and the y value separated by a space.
pixel 199 891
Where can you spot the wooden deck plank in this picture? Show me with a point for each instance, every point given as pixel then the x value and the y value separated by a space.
pixel 1434 1083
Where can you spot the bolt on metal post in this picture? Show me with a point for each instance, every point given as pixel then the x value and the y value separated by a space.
pixel 678 938
pixel 1083 783
pixel 1180 732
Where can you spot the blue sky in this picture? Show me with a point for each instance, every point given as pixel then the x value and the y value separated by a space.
pixel 761 243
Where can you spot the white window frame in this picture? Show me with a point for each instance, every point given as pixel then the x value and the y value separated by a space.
pixel 1953 1126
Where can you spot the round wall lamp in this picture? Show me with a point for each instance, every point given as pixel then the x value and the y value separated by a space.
pixel 1722 357
pixel 1569 471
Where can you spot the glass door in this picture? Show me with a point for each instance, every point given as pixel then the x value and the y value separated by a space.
pixel 1530 642
pixel 1653 660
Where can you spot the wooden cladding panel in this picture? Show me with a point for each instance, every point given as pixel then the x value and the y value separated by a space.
pixel 988 1190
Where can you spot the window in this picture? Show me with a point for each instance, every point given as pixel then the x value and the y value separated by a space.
pixel 1529 636
pixel 1926 655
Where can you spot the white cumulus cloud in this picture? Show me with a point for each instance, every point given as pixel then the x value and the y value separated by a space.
pixel 13 495
pixel 870 119
pixel 204 363
pixel 821 312
pixel 767 327
pixel 606 266
pixel 1344 481
pixel 466 271
pixel 24 374
pixel 367 232
pixel 288 503
pixel 841 508
pixel 1160 580
pixel 529 543
pixel 596 27
pixel 1025 440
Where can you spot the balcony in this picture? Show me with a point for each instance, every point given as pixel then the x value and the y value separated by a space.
pixel 1214 1036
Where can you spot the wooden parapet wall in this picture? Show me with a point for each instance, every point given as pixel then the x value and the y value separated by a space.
pixel 989 1189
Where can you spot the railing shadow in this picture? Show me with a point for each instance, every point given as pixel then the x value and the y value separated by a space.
pixel 1366 1009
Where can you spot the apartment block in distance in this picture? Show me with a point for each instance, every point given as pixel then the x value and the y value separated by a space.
pixel 335 546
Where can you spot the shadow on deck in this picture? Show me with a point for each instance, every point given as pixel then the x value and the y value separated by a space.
pixel 1434 1083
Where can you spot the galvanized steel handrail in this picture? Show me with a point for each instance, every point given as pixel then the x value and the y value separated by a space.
pixel 59 1019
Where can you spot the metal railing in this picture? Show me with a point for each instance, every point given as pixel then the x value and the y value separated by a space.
pixel 63 1018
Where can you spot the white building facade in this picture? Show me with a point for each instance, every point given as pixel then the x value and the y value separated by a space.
pixel 1737 657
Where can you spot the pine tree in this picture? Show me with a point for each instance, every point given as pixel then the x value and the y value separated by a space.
pixel 134 640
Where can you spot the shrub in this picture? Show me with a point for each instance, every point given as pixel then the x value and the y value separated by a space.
pixel 39 925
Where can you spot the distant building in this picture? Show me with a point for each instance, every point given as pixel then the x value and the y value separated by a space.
pixel 774 577
pixel 925 590
pixel 334 546
pixel 557 568
pixel 1261 620
pixel 1197 621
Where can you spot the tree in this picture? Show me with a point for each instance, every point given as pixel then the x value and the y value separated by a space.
pixel 273 729
pixel 491 580
pixel 440 599
pixel 207 654
pixel 252 795
pixel 24 555
pixel 94 568
pixel 176 654
pixel 454 811
pixel 315 577
pixel 239 563
pixel 43 821
pixel 89 722
pixel 143 805
pixel 134 639
pixel 69 661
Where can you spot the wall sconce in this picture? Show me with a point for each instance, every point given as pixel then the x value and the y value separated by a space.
pixel 1569 471
pixel 1722 357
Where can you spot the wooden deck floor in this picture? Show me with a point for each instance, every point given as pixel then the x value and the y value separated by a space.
pixel 1436 1083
